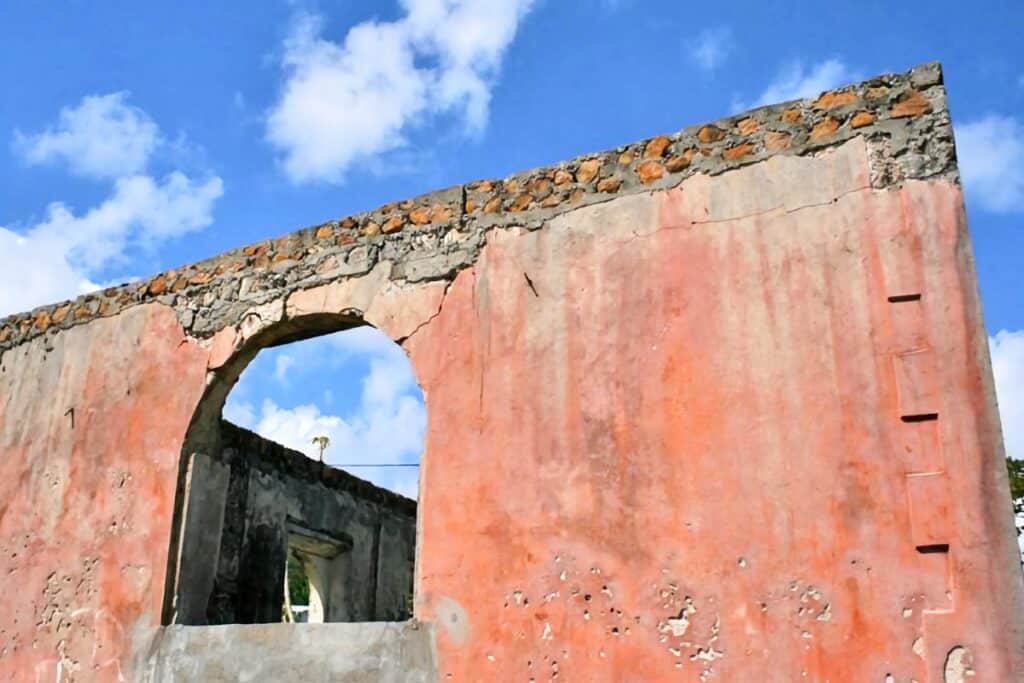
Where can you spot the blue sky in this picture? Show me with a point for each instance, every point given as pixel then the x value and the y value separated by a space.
pixel 138 136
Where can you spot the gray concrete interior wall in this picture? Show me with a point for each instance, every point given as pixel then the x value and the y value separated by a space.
pixel 359 539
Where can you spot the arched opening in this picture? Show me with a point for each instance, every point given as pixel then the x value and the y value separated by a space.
pixel 299 478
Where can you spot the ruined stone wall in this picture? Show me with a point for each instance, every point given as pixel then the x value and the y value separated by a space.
pixel 269 489
pixel 714 404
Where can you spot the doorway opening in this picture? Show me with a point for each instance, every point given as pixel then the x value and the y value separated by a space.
pixel 297 500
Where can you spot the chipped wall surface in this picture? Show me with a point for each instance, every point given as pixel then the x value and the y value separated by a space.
pixel 91 426
pixel 713 406
pixel 709 440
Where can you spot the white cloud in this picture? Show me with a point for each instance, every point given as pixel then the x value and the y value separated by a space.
pixel 1008 367
pixel 386 426
pixel 64 254
pixel 796 81
pixel 241 413
pixel 54 259
pixel 282 364
pixel 103 137
pixel 989 151
pixel 346 103
pixel 711 48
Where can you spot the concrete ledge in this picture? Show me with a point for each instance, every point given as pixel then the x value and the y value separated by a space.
pixel 384 652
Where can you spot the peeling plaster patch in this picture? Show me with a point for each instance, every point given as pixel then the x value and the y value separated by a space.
pixel 677 627
pixel 453 619
pixel 959 665
pixel 222 346
pixel 355 294
pixel 708 654
pixel 261 317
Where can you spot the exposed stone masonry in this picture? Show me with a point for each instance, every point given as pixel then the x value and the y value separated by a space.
pixel 903 116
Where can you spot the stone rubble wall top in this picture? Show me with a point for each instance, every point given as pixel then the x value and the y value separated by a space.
pixel 903 117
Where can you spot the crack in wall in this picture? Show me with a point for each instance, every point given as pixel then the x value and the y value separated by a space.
pixel 440 306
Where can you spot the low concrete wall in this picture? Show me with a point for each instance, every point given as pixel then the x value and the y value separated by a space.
pixel 379 652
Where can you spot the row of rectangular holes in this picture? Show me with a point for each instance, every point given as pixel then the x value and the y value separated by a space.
pixel 923 417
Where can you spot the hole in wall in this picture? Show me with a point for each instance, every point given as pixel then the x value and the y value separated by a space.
pixel 297 500
pixel 904 298
pixel 933 549
pixel 922 417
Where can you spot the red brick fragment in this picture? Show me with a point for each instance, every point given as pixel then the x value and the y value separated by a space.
pixel 649 171
pixel 912 103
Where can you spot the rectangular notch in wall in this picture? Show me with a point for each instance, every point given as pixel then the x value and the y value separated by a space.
pixel 917 384
pixel 931 528
pixel 933 548
pixel 931 514
pixel 902 258
pixel 920 445
pixel 904 298
pixel 933 577
pixel 920 417
pixel 907 318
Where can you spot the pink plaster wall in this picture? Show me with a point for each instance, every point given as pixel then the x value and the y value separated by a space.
pixel 85 510
pixel 684 457
pixel 665 442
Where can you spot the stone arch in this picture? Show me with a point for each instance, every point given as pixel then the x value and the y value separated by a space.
pixel 397 310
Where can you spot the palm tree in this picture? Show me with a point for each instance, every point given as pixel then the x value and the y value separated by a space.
pixel 323 442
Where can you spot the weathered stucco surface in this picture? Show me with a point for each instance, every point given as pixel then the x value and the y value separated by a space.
pixel 713 406
pixel 91 427
pixel 683 448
